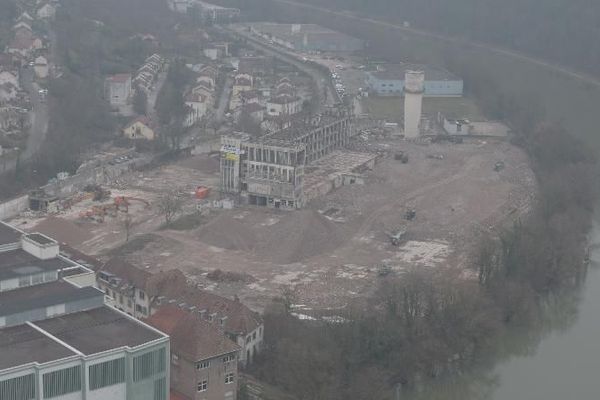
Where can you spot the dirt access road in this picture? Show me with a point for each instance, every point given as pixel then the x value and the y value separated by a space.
pixel 330 252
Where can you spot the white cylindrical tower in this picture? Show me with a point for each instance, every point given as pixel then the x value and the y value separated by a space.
pixel 414 87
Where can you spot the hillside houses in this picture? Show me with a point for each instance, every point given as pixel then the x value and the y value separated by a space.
pixel 147 74
pixel 241 83
pixel 201 96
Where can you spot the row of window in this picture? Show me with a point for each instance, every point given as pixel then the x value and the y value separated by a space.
pixel 203 385
pixel 149 364
pixel 206 364
pixel 69 380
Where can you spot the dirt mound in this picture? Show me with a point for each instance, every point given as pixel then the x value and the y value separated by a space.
pixel 63 230
pixel 298 236
pixel 228 233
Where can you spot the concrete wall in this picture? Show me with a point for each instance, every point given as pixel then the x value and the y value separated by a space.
pixel 13 207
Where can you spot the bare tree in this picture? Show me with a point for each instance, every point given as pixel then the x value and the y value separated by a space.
pixel 169 206
pixel 127 223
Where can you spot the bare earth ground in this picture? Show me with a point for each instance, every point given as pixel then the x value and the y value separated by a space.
pixel 331 251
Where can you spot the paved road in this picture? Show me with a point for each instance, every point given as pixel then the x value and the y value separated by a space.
pixel 322 80
pixel 224 99
pixel 38 115
pixel 582 77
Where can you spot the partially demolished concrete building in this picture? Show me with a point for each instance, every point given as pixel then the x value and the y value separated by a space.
pixel 269 170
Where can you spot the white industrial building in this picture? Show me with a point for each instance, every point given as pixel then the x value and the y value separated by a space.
pixel 58 340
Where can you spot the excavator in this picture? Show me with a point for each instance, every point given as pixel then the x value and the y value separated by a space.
pixel 125 201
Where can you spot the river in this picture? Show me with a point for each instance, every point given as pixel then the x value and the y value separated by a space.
pixel 566 364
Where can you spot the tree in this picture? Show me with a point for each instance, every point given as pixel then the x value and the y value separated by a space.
pixel 127 223
pixel 140 102
pixel 169 206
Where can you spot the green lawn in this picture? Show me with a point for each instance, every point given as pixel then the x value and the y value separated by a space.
pixel 393 107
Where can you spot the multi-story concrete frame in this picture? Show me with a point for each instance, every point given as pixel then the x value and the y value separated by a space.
pixel 269 171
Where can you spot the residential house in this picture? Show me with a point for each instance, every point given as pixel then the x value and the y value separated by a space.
pixel 23 46
pixel 250 96
pixel 22 28
pixel 203 360
pixel 9 77
pixel 208 79
pixel 25 17
pixel 242 83
pixel 144 293
pixel 41 67
pixel 284 105
pixel 117 89
pixel 11 118
pixel 147 74
pixel 140 128
pixel 197 105
pixel 253 110
pixel 204 89
pixel 47 11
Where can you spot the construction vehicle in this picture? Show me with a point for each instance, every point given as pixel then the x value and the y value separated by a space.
pixel 397 237
pixel 384 270
pixel 401 156
pixel 124 201
pixel 409 215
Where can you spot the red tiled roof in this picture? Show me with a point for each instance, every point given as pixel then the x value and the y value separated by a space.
pixel 191 337
pixel 195 98
pixel 240 319
pixel 142 119
pixel 119 77
pixel 243 82
pixel 129 273
pixel 251 108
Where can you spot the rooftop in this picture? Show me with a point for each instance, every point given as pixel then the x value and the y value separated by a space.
pixel 397 71
pixel 98 330
pixel 191 336
pixel 17 263
pixel 40 238
pixel 8 234
pixel 23 344
pixel 43 295
pixel 119 78
pixel 88 332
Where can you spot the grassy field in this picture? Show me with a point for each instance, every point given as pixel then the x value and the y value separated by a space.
pixel 392 108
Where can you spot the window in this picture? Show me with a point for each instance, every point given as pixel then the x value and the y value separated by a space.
pixel 121 299
pixel 229 358
pixel 149 364
pixel 129 303
pixel 202 386
pixel 142 295
pixel 107 373
pixel 20 388
pixel 254 336
pixel 203 365
pixel 160 389
pixel 61 382
pixel 229 378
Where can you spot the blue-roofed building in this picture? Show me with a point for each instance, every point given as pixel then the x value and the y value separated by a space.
pixel 438 81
